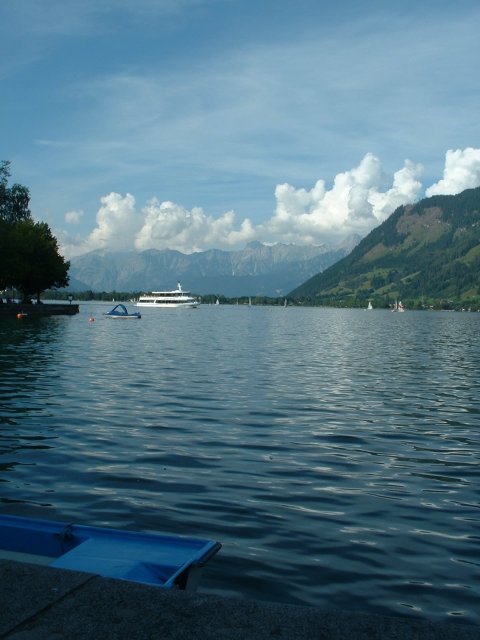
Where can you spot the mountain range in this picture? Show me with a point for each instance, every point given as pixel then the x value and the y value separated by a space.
pixel 257 270
pixel 426 252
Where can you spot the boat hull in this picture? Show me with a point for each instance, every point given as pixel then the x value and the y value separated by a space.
pixel 164 305
pixel 149 558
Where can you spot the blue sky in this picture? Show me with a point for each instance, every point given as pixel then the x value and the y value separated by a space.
pixel 193 124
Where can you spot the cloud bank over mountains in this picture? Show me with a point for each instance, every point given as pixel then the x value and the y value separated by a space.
pixel 357 201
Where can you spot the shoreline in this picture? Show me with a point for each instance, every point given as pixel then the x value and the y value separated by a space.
pixel 43 602
pixel 45 309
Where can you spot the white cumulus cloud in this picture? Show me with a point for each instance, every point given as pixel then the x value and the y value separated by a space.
pixel 462 171
pixel 358 200
pixel 168 225
pixel 117 225
pixel 73 217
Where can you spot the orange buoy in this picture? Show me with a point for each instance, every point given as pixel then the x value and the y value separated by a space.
pixel 21 315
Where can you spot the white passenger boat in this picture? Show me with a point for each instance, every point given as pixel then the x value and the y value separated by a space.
pixel 168 299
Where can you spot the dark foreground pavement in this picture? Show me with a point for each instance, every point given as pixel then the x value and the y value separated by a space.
pixel 42 603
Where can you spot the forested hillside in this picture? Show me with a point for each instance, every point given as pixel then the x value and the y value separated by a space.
pixel 424 254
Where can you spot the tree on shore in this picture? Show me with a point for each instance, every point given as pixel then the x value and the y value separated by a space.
pixel 29 256
pixel 14 200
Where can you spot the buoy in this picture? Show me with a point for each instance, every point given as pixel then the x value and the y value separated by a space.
pixel 21 315
pixel 91 319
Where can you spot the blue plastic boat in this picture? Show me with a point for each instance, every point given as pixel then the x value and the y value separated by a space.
pixel 150 558
pixel 120 311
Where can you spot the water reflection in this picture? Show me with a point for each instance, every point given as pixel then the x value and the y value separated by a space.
pixel 333 452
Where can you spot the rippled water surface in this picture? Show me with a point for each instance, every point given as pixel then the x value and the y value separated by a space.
pixel 334 453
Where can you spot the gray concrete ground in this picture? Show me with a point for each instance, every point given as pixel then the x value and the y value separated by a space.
pixel 41 603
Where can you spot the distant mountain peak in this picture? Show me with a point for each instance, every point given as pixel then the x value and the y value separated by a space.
pixel 259 269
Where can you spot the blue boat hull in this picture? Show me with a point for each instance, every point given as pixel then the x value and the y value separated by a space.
pixel 149 558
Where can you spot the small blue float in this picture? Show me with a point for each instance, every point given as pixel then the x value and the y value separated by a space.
pixel 120 311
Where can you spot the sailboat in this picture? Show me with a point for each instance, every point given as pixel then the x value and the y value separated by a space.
pixel 398 307
pixel 369 306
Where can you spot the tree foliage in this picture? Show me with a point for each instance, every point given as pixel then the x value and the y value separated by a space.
pixel 14 200
pixel 29 256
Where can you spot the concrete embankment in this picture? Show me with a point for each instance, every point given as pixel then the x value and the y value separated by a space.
pixel 41 603
pixel 8 310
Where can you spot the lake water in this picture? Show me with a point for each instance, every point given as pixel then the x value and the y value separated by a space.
pixel 334 453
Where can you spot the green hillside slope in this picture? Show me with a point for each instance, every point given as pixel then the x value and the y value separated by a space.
pixel 424 254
